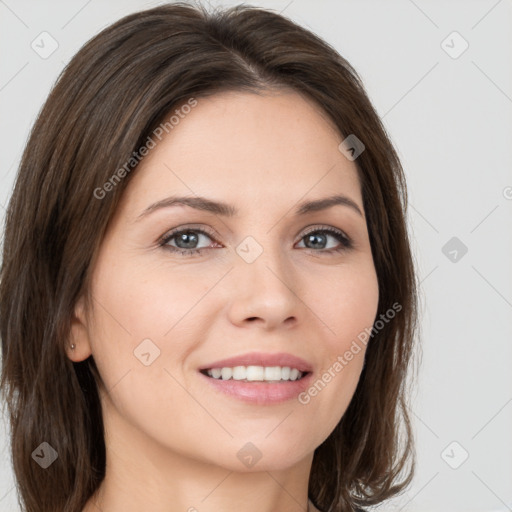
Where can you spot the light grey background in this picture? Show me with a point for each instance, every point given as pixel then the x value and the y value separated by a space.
pixel 451 121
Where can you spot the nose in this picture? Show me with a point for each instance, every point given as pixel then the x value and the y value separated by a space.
pixel 262 292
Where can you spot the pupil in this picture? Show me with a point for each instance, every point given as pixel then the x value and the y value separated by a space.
pixel 188 238
pixel 314 238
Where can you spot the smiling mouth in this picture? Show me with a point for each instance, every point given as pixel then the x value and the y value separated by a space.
pixel 255 373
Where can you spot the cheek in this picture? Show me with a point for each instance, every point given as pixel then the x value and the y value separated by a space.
pixel 147 302
pixel 346 302
pixel 140 313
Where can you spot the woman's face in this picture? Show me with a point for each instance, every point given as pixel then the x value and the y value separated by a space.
pixel 268 285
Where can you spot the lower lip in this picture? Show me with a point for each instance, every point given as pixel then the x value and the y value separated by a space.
pixel 261 393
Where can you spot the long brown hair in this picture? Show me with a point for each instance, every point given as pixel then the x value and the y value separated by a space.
pixel 106 102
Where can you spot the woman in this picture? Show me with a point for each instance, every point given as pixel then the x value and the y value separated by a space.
pixel 207 297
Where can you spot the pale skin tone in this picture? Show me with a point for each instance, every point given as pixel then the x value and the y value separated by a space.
pixel 172 440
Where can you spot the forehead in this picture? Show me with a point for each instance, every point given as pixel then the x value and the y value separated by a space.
pixel 268 148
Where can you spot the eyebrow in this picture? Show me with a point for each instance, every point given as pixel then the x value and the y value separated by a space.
pixel 227 210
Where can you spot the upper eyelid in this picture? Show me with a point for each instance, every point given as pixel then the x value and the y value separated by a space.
pixel 312 229
pixel 173 232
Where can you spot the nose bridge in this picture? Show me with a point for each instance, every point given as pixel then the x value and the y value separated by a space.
pixel 263 282
pixel 263 256
pixel 263 250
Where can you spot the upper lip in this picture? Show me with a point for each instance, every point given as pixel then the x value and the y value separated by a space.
pixel 260 359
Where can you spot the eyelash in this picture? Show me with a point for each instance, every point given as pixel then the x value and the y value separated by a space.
pixel 346 242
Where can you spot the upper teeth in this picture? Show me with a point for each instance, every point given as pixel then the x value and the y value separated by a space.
pixel 269 373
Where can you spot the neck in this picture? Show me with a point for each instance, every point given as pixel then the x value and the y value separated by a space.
pixel 143 475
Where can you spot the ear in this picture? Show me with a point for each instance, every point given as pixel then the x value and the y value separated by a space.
pixel 79 334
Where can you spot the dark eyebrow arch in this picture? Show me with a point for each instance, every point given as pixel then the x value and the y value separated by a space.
pixel 226 210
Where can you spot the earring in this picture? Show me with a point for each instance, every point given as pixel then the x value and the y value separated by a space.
pixel 73 346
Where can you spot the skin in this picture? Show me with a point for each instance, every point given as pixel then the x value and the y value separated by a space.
pixel 172 439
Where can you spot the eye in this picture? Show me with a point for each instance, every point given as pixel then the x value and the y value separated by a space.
pixel 186 240
pixel 317 238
